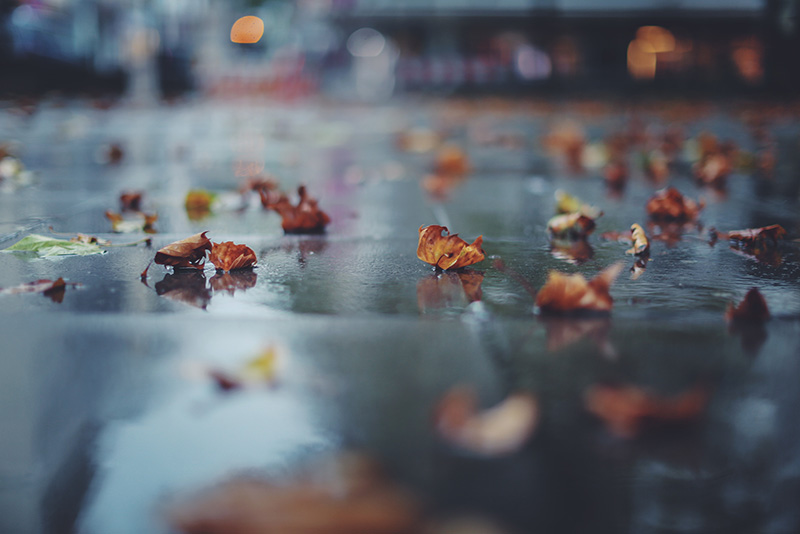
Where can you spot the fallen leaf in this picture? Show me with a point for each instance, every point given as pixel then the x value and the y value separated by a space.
pixel 49 288
pixel 343 495
pixel 187 287
pixel 305 218
pixel 130 201
pixel 625 409
pixel 44 246
pixel 571 226
pixel 451 159
pixel 752 309
pixel 446 251
pixel 227 256
pixel 198 203
pixel 573 293
pixel 90 239
pixel 670 205
pixel 713 170
pixel 231 282
pixel 445 290
pixel 138 222
pixel 568 204
pixel 189 252
pixel 502 429
pixel 764 237
pixel 641 245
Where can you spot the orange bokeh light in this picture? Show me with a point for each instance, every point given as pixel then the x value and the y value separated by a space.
pixel 247 30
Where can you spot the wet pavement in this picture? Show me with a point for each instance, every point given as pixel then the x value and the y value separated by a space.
pixel 107 412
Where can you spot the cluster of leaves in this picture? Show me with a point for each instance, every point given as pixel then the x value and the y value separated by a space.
pixel 191 252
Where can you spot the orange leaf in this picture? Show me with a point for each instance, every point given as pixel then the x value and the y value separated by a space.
pixel 767 235
pixel 503 429
pixel 447 251
pixel 571 225
pixel 227 256
pixel 670 205
pixel 451 160
pixel 305 218
pixel 189 252
pixel 573 293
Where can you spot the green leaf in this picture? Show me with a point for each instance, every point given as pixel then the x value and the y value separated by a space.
pixel 45 246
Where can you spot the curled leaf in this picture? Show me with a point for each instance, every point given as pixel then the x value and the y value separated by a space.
pixel 752 309
pixel 571 226
pixel 139 222
pixel 189 252
pixel 227 256
pixel 305 218
pixel 44 246
pixel 502 429
pixel 640 243
pixel 446 251
pixel 670 205
pixel 625 409
pixel 346 494
pixel 573 293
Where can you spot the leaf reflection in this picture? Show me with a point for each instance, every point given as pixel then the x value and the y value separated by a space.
pixel 563 332
pixel 576 252
pixel 188 287
pixel 232 281
pixel 447 290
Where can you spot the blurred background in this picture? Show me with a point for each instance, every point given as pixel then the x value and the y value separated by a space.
pixel 372 49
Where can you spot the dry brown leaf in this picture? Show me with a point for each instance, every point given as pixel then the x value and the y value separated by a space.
pixel 571 226
pixel 502 429
pixel 346 495
pixel 446 251
pixel 625 409
pixel 765 236
pixel 130 201
pixel 305 218
pixel 138 222
pixel 752 309
pixel 564 293
pixel 189 252
pixel 670 205
pixel 640 243
pixel 227 256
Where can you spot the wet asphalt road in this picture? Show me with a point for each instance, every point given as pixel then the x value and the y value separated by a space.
pixel 104 413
